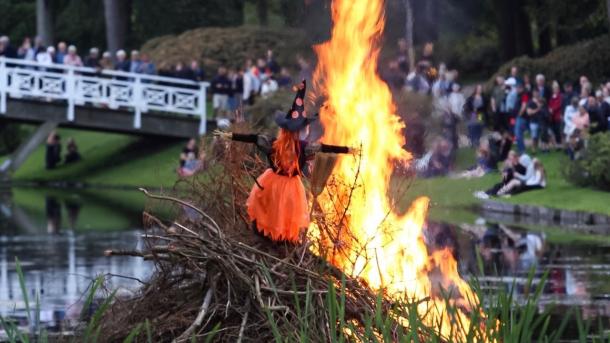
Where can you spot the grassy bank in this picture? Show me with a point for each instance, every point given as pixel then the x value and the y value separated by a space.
pixel 446 192
pixel 109 159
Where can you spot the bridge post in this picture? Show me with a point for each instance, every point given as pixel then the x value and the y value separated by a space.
pixel 71 93
pixel 203 108
pixel 137 103
pixel 3 85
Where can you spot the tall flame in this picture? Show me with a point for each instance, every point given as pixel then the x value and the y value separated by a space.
pixel 370 240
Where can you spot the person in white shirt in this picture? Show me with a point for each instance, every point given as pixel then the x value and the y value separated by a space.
pixel 268 87
pixel 569 113
pixel 45 58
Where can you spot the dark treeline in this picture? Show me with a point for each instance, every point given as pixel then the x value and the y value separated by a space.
pixel 466 31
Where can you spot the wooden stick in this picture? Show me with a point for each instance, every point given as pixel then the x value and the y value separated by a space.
pixel 199 319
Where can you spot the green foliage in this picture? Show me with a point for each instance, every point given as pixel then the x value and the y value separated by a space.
pixel 567 63
pixel 593 169
pixel 227 46
pixel 79 22
pixel 153 18
pixel 11 135
pixel 18 19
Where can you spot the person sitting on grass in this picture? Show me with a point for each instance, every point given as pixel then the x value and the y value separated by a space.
pixel 511 166
pixel 484 166
pixel 537 180
pixel 72 155
pixel 190 161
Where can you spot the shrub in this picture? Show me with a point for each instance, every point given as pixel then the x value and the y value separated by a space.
pixel 217 46
pixel 567 63
pixel 593 169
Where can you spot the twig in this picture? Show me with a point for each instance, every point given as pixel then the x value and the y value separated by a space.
pixel 243 322
pixel 182 202
pixel 199 319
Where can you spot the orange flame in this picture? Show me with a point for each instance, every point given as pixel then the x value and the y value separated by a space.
pixel 372 241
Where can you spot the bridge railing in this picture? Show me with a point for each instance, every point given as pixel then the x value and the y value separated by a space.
pixel 79 86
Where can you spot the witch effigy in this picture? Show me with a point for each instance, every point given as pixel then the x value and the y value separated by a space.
pixel 277 205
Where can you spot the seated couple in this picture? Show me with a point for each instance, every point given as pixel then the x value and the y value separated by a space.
pixel 519 175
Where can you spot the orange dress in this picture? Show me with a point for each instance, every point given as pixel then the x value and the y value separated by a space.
pixel 277 203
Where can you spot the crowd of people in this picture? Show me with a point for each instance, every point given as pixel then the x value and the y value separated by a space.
pixel 53 156
pixel 540 116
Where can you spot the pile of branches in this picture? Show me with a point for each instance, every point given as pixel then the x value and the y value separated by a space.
pixel 215 276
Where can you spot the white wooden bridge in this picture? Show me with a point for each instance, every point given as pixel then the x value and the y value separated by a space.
pixel 102 99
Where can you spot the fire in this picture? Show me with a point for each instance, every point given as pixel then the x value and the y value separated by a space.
pixel 371 241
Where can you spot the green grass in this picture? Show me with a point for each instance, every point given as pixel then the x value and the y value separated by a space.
pixel 109 159
pixel 446 194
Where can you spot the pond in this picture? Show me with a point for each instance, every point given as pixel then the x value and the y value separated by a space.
pixel 59 237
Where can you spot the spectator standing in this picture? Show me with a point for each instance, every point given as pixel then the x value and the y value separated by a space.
pixel 38 46
pixel 261 65
pixel 106 61
pixel 475 109
pixel 46 58
pixel 569 114
pixel 61 52
pixel 181 72
pixel 542 88
pixel 272 64
pixel 93 59
pixel 72 59
pixel 26 51
pixel 581 120
pixel 556 109
pixel 284 79
pixel 53 149
pixel 268 87
pixel 392 76
pixel 604 107
pixel 237 89
pixel 498 104
pixel 521 119
pixel 122 64
pixel 221 89
pixel 535 117
pixel 147 66
pixel 511 102
pixel 197 73
pixel 568 94
pixel 597 119
pixel 250 84
pixel 135 63
pixel 6 49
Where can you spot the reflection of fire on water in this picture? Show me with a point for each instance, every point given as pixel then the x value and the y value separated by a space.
pixel 383 248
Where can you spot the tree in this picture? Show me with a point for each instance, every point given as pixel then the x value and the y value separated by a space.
pixel 44 21
pixel 608 10
pixel 116 13
pixel 409 33
pixel 262 10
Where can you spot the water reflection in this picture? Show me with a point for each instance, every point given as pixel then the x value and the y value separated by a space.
pixel 578 274
pixel 61 255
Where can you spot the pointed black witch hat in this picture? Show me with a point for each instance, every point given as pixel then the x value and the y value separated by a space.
pixel 296 118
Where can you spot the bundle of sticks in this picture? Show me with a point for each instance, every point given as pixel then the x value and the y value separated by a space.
pixel 215 276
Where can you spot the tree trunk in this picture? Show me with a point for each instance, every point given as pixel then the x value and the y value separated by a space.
pixel 523 29
pixel 432 20
pixel 116 13
pixel 409 33
pixel 262 9
pixel 44 21
pixel 608 10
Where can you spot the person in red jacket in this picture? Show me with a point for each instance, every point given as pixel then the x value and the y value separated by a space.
pixel 277 205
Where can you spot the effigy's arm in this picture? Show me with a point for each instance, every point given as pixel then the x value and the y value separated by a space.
pixel 314 148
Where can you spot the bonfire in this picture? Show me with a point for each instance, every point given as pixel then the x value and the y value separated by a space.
pixel 363 272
